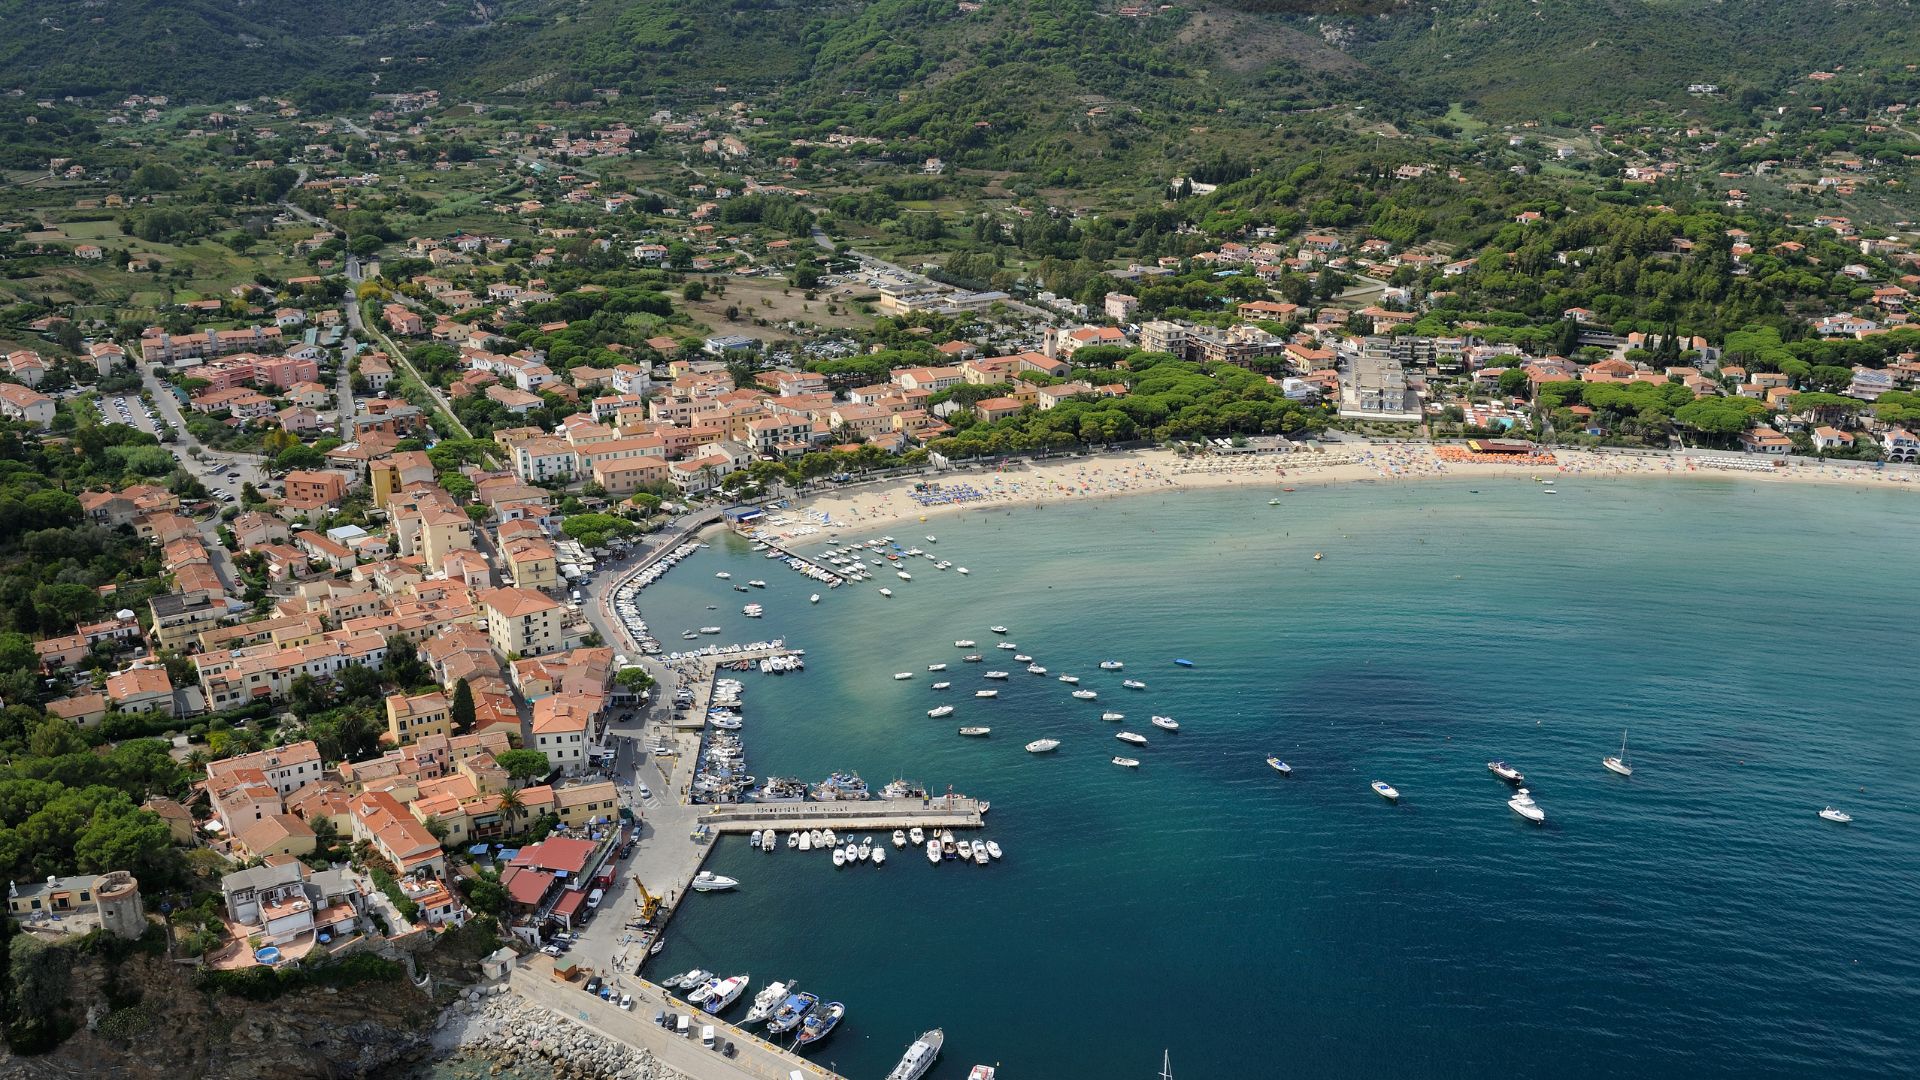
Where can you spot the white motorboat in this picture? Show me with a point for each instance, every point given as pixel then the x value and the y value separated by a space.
pixel 866 851
pixel 723 575
pixel 814 599
pixel 829 837
pixel 933 852
pixel 998 629
pixel 932 540
pixel 709 629
pixel 1008 645
pixel 1022 658
pixel 1505 772
pixel 964 643
pixel 1385 790
pixel 916 836
pixel 944 710
pixel 941 685
pixel 1133 684
pixel 766 1001
pixel 793 839
pixel 879 857
pixel 965 848
pixel 899 838
pixel 768 841
pixel 986 693
pixel 993 848
pixel 1619 764
pixel 722 993
pixel 1127 762
pixel 708 881
pixel 1130 737
pixel 886 592
pixel 1070 680
pixel 1166 723
pixel 979 853
pixel 961 569
pixel 920 1056
pixel 1840 816
pixel 903 575
pixel 1113 716
pixel 996 675
pixel 976 732
pixel 839 857
pixel 757 583
pixel 972 658
pixel 936 667
pixel 1279 766
pixel 903 674
pixel 1111 665
pixel 1036 669
pixel 1042 746
pixel 806 841
pixel 1086 695
pixel 1523 804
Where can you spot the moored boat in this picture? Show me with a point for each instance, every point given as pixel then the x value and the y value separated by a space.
pixel 1839 816
pixel 919 1057
pixel 941 685
pixel 944 710
pixel 993 848
pixel 1070 680
pixel 976 732
pixel 1523 804
pixel 1505 772
pixel 1042 746
pixel 1619 763
pixel 766 1001
pixel 1166 723
pixel 1130 737
pixel 1279 766
pixel 903 674
pixel 964 643
pixel 819 1024
pixel 708 881
pixel 933 851
pixel 1111 665
pixel 899 838
pixel 916 836
pixel 1385 790
pixel 986 693
pixel 1113 716
pixel 791 1012
pixel 1133 684
pixel 723 993
pixel 1127 762
pixel 1086 695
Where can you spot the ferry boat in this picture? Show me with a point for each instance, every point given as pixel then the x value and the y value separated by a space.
pixel 1130 737
pixel 903 674
pixel 944 710
pixel 1127 762
pixel 976 732
pixel 791 1012
pixel 1113 716
pixel 919 1057
pixel 1385 790
pixel 1111 665
pixel 996 675
pixel 708 881
pixel 1505 772
pixel 1279 766
pixel 1070 680
pixel 986 693
pixel 1086 695
pixel 1166 723
pixel 1523 804
pixel 766 1001
pixel 1042 746
pixel 1133 684
pixel 963 643
pixel 1839 816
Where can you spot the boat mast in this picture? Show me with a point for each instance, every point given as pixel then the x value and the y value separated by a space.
pixel 1166 1065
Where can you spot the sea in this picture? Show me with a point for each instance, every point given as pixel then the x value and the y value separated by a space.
pixel 1754 644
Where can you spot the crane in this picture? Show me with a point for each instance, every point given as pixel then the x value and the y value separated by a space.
pixel 649 903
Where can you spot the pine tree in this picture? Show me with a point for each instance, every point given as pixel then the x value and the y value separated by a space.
pixel 462 707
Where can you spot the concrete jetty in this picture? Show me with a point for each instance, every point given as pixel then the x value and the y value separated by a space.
pixel 699 672
pixel 833 577
pixel 944 812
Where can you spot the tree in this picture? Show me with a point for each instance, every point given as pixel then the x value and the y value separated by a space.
pixel 463 711
pixel 1513 381
pixel 634 678
pixel 402 665
pixel 524 765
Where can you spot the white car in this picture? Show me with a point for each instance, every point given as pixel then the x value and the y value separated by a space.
pixel 644 792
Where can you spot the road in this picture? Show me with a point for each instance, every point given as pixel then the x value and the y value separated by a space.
pixel 210 466
pixel 361 328
pixel 128 409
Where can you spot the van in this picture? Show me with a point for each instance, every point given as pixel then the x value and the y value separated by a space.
pixel 706 1036
pixel 593 898
pixel 684 1027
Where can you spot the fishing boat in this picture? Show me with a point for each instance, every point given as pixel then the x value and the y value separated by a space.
pixel 1505 772
pixel 998 629
pixel 919 1057
pixel 1111 665
pixel 1385 790
pixel 791 1012
pixel 941 685
pixel 1166 723
pixel 1523 804
pixel 944 710
pixel 899 838
pixel 1619 764
pixel 933 851
pixel 976 732
pixel 724 993
pixel 993 848
pixel 1070 680
pixel 996 675
pixel 986 693
pixel 936 667
pixel 708 881
pixel 1840 816
pixel 1130 737
pixel 1184 663
pixel 903 674
pixel 964 643
pixel 1042 746
pixel 916 836
pixel 1279 766
pixel 1086 695
pixel 819 1024
pixel 1127 762
pixel 766 1001
pixel 1133 684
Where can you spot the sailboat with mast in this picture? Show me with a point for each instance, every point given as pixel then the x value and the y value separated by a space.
pixel 1166 1066
pixel 1619 764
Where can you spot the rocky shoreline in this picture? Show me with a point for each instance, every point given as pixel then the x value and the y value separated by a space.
pixel 502 1031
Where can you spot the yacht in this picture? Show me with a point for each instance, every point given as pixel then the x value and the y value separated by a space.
pixel 944 710
pixel 1619 764
pixel 936 667
pixel 993 848
pixel 998 629
pixel 916 836
pixel 919 1057
pixel 986 693
pixel 818 1024
pixel 1111 665
pixel 899 838
pixel 1130 737
pixel 1279 766
pixel 903 674
pixel 1840 816
pixel 1166 723
pixel 791 1012
pixel 1113 716
pixel 976 732
pixel 1041 746
pixel 1127 762
pixel 723 992
pixel 1086 695
pixel 1070 680
pixel 933 851
pixel 886 592
pixel 996 675
pixel 766 1001
pixel 1036 669
pixel 1523 804
pixel 1505 772
pixel 708 881
pixel 1385 790
pixel 941 685
pixel 964 643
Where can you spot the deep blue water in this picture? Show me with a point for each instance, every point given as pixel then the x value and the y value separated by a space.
pixel 1696 920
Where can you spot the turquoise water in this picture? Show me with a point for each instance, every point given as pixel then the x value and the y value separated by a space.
pixel 1696 920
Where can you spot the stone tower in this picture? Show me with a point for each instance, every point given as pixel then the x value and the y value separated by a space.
pixel 118 895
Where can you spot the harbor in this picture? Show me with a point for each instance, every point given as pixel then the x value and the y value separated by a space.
pixel 942 812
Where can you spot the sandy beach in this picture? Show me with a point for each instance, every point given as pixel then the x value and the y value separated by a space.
pixel 1140 472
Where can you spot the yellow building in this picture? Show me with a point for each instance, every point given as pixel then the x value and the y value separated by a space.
pixel 522 622
pixel 411 718
pixel 532 563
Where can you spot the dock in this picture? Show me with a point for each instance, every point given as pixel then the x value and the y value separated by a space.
pixel 813 569
pixel 700 671
pixel 943 812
